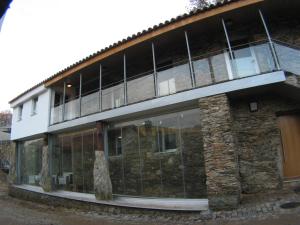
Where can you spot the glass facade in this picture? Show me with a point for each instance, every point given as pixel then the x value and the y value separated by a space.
pixel 158 157
pixel 31 161
pixel 73 161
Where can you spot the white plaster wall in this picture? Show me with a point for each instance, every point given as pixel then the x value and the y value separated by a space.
pixel 31 124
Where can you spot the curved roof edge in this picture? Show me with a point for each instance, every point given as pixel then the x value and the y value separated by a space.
pixel 168 25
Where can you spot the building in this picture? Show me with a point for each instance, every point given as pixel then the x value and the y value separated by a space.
pixel 202 108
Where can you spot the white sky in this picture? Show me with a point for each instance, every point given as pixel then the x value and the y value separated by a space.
pixel 41 37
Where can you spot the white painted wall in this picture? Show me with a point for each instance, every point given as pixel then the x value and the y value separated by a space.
pixel 31 124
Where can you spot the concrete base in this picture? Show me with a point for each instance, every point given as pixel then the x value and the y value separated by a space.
pixel 117 204
pixel 224 202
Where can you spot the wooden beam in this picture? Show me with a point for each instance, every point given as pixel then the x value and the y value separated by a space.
pixel 155 33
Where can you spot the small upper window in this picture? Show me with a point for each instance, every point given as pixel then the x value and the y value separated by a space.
pixel 34 106
pixel 20 111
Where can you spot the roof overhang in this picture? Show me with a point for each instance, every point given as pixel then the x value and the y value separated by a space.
pixel 215 11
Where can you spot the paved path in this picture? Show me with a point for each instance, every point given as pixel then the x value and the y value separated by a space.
pixel 18 212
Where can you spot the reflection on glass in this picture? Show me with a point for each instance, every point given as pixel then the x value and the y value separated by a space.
pixel 158 157
pixel 73 161
pixel 203 75
pixel 173 80
pixel 31 161
pixel 264 58
pixel 56 114
pixel 72 109
pixel 140 89
pixel 90 103
pixel 220 66
pixel 116 160
pixel 113 97
pixel 288 58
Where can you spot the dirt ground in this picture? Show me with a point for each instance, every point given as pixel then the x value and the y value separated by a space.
pixel 18 212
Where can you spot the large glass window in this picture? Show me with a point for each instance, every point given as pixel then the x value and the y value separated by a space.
pixel 31 161
pixel 173 73
pixel 73 161
pixel 158 157
pixel 139 72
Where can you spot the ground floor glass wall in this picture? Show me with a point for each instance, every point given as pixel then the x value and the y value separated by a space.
pixel 158 156
pixel 31 161
pixel 73 161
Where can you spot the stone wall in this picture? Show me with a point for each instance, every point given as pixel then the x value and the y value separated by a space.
pixel 5 150
pixel 12 177
pixel 223 186
pixel 259 141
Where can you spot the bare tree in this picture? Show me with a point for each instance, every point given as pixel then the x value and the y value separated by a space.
pixel 5 118
pixel 200 4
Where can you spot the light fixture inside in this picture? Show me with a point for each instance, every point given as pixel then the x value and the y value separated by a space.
pixel 69 85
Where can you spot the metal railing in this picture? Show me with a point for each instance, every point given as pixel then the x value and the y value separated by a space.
pixel 248 60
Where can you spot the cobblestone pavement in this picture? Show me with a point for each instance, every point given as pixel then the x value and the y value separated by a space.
pixel 265 211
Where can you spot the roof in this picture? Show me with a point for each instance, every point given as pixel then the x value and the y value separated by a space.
pixel 136 36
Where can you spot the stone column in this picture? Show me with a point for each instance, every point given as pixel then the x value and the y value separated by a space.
pixel 102 182
pixel 223 185
pixel 45 181
pixel 12 176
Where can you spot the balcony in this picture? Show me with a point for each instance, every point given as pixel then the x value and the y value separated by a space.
pixel 202 70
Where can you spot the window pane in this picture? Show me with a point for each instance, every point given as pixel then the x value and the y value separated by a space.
pixel 193 158
pixel 88 162
pixel 150 159
pixel 115 160
pixel 170 154
pixel 132 167
pixel 73 161
pixel 31 164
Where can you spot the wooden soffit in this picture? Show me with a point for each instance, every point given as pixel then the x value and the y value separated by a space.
pixel 153 34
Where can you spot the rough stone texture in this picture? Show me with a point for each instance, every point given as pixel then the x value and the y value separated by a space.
pixel 293 80
pixel 102 182
pixel 45 181
pixel 256 206
pixel 12 176
pixel 5 150
pixel 259 141
pixel 223 186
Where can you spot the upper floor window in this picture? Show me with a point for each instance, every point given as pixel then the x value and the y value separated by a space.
pixel 34 106
pixel 20 111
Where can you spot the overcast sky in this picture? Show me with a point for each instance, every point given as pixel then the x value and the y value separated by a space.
pixel 41 37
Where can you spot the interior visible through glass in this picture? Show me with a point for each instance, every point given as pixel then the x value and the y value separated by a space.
pixel 160 156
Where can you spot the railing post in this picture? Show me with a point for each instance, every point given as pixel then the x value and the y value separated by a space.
pixel 100 88
pixel 230 49
pixel 125 81
pixel 80 92
pixel 64 97
pixel 154 70
pixel 192 72
pixel 270 40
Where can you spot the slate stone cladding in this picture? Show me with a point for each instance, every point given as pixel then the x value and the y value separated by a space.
pixel 220 154
pixel 259 141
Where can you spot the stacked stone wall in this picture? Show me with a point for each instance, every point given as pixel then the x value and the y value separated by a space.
pixel 259 141
pixel 223 186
